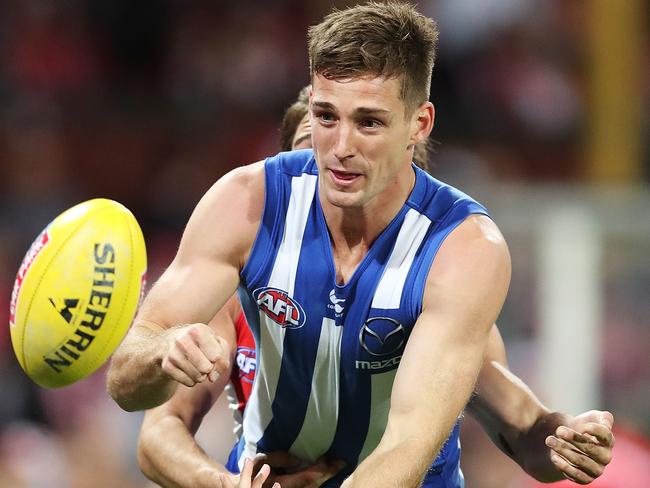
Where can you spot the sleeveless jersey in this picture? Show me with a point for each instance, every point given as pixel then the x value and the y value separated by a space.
pixel 327 353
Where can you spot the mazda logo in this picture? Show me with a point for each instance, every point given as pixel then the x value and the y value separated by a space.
pixel 381 336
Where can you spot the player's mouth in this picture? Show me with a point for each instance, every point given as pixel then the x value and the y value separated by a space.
pixel 343 178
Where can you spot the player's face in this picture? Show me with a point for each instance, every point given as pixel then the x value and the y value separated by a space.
pixel 302 136
pixel 362 140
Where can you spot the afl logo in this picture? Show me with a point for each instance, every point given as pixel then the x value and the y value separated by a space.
pixel 381 336
pixel 280 307
pixel 246 363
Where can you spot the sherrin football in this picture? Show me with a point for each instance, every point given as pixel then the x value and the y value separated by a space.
pixel 77 291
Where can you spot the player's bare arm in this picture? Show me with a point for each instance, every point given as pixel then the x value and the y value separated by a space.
pixel 465 290
pixel 547 445
pixel 169 342
pixel 167 451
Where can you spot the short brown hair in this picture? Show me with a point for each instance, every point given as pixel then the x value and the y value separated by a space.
pixel 389 39
pixel 292 118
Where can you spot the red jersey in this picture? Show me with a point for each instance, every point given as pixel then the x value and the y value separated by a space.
pixel 243 371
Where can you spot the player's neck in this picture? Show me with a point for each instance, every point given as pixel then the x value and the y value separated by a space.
pixel 354 229
pixel 355 225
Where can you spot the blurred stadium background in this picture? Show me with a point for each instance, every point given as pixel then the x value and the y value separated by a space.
pixel 542 113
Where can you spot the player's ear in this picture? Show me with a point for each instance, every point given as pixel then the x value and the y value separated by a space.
pixel 422 122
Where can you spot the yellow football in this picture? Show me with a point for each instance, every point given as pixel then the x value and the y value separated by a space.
pixel 77 291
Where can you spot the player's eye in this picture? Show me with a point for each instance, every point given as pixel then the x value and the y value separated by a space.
pixel 325 117
pixel 371 123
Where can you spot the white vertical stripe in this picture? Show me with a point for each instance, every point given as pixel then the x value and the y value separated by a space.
pixel 391 284
pixel 270 350
pixel 319 426
pixel 382 386
pixel 283 275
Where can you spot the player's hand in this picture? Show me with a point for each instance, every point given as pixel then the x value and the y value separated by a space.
pixel 581 449
pixel 291 472
pixel 311 476
pixel 246 479
pixel 195 353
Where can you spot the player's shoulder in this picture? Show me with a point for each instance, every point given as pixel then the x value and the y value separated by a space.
pixel 239 190
pixel 228 214
pixel 247 178
pixel 251 179
pixel 479 235
pixel 475 248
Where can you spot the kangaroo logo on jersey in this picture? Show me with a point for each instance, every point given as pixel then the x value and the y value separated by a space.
pixel 280 307
pixel 381 336
pixel 246 363
pixel 336 304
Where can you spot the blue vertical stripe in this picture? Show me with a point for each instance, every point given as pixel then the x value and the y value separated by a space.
pixel 311 290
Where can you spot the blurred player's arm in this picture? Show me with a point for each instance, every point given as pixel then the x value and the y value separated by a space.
pixel 169 342
pixel 168 453
pixel 525 430
pixel 465 289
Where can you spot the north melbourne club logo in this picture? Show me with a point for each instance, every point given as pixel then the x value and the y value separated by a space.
pixel 337 304
pixel 280 307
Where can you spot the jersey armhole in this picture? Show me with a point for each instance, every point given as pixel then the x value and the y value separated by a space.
pixel 270 225
pixel 456 216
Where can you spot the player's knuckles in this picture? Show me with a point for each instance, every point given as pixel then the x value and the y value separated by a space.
pixel 221 365
pixel 214 348
pixel 185 342
pixel 607 418
pixel 601 432
pixel 202 335
pixel 188 350
pixel 202 365
pixel 607 457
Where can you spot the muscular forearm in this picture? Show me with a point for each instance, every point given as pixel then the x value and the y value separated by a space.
pixel 136 380
pixel 516 421
pixel 177 461
pixel 403 465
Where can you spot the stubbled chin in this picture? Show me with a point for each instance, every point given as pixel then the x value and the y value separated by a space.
pixel 342 199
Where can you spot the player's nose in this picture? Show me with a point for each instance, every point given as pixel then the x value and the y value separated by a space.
pixel 344 142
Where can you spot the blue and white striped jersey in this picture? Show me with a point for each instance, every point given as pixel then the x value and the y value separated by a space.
pixel 327 353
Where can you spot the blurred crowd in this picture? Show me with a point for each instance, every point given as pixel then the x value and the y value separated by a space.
pixel 149 102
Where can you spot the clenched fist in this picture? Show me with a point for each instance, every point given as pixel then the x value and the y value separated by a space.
pixel 583 447
pixel 195 353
